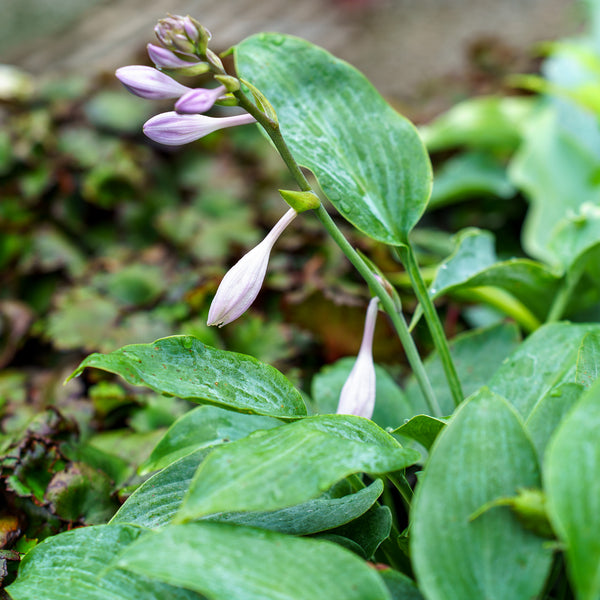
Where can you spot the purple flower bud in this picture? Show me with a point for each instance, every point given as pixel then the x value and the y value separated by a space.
pixel 243 281
pixel 149 83
pixel 358 394
pixel 173 129
pixel 199 100
pixel 165 59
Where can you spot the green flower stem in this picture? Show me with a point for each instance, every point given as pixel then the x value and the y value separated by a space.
pixel 433 321
pixel 387 303
pixel 502 301
pixel 564 294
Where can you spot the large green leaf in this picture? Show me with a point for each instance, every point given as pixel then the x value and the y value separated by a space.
pixel 558 174
pixel 291 464
pixel 549 412
pixel 488 122
pixel 155 503
pixel 483 454
pixel 474 264
pixel 183 366
pixel 469 175
pixel 546 359
pixel 227 562
pixel 391 405
pixel 158 499
pixel 368 159
pixel 202 427
pixel 572 481
pixel 72 566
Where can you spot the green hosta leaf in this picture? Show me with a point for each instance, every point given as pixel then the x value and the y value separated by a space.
pixel 577 237
pixel 559 174
pixel 72 566
pixel 476 354
pixel 422 428
pixel 572 478
pixel 184 367
pixel 468 175
pixel 400 586
pixel 321 514
pixel 543 361
pixel 482 455
pixel 202 427
pixel 488 123
pixel 291 464
pixel 474 264
pixel 369 530
pixel 225 561
pixel 549 412
pixel 368 159
pixel 155 503
pixel 391 405
pixel 157 500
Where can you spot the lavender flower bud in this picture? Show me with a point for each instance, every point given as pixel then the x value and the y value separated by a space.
pixel 199 100
pixel 243 281
pixel 149 83
pixel 165 59
pixel 358 394
pixel 173 129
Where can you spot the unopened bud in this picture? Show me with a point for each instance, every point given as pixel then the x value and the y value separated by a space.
pixel 199 100
pixel 358 394
pixel 147 82
pixel 183 34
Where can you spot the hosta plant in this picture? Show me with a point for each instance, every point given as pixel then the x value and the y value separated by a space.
pixel 478 477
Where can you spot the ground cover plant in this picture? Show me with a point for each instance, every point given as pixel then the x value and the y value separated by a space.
pixel 475 475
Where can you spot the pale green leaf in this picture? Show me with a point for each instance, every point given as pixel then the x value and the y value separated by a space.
pixel 368 159
pixel 291 464
pixel 227 562
pixel 483 454
pixel 184 367
pixel 572 481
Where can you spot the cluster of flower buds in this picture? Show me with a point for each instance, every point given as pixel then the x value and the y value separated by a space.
pixel 185 51
pixel 358 394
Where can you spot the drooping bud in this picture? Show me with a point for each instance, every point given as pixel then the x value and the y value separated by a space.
pixel 173 129
pixel 243 281
pixel 147 82
pixel 358 394
pixel 199 100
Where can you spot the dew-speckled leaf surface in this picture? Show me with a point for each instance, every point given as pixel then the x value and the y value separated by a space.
pixel 184 367
pixel 587 368
pixel 549 412
pixel 231 562
pixel 291 464
pixel 202 427
pixel 483 454
pixel 543 361
pixel 368 159
pixel 156 501
pixel 72 566
pixel 572 483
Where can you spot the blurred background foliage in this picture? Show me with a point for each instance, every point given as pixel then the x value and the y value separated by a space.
pixel 107 240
